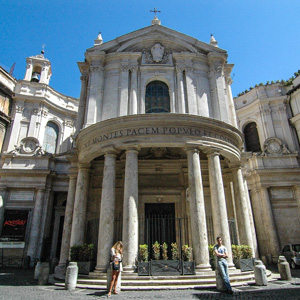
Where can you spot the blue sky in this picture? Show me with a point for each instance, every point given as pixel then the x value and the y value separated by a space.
pixel 261 36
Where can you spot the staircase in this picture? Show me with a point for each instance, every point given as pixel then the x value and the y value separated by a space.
pixel 141 283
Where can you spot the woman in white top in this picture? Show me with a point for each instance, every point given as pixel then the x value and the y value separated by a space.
pixel 116 258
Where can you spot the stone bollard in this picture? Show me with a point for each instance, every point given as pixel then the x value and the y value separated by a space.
pixel 53 264
pixel 44 273
pixel 71 276
pixel 37 270
pixel 260 273
pixel 109 275
pixel 219 280
pixel 284 269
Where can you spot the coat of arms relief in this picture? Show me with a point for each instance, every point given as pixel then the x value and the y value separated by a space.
pixel 157 54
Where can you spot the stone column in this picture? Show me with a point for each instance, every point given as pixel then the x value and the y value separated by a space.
pixel 3 194
pixel 36 225
pixel 79 212
pixel 130 210
pixel 259 222
pixel 66 236
pixel 180 91
pixel 133 92
pixel 107 212
pixel 269 223
pixel 82 102
pixel 245 233
pixel 197 212
pixel 297 198
pixel 218 202
pixel 254 239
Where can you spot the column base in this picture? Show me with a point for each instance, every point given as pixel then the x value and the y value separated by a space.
pixel 203 267
pixel 60 271
pixel 101 269
pixel 128 270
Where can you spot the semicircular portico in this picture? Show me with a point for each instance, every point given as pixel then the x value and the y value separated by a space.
pixel 159 130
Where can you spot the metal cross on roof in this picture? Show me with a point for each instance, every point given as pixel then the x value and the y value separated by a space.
pixel 155 11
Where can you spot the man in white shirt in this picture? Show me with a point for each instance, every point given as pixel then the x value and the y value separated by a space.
pixel 222 254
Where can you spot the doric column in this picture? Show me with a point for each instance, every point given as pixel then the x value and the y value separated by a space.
pixel 130 210
pixel 245 233
pixel 79 212
pixel 36 225
pixel 133 92
pixel 107 212
pixel 180 90
pixel 297 197
pixel 218 202
pixel 269 223
pixel 3 194
pixel 197 211
pixel 82 102
pixel 66 236
pixel 124 78
pixel 254 239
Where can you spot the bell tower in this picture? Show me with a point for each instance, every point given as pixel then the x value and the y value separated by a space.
pixel 38 69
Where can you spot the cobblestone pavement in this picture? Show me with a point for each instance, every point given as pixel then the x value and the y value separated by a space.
pixel 18 284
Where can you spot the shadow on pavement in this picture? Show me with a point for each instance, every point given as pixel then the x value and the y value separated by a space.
pixel 17 277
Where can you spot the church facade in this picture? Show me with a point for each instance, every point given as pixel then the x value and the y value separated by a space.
pixel 153 150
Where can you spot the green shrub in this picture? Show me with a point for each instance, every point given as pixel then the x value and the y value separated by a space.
pixel 174 250
pixel 156 250
pixel 85 252
pixel 144 254
pixel 164 248
pixel 186 253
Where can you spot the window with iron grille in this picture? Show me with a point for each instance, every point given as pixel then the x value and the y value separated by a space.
pixel 252 138
pixel 50 139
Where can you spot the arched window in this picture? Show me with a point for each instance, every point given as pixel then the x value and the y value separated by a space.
pixel 157 98
pixel 50 139
pixel 252 138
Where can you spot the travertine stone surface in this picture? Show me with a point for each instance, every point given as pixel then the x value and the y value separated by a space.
pixel 130 210
pixel 107 212
pixel 218 202
pixel 36 225
pixel 66 236
pixel 197 211
pixel 79 212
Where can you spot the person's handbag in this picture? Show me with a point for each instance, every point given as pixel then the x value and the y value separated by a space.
pixel 116 265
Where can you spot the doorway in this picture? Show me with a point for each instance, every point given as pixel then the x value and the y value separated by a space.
pixel 160 225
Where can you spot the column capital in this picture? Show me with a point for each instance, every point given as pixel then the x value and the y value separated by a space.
pixel 235 166
pixel 82 166
pixel 212 151
pixel 192 149
pixel 135 148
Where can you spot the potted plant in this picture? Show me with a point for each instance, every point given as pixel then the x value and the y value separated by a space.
pixel 143 264
pixel 85 256
pixel 164 248
pixel 156 250
pixel 163 267
pixel 174 250
pixel 242 257
pixel 188 266
pixel 212 257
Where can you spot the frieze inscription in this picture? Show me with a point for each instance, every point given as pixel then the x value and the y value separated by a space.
pixel 186 131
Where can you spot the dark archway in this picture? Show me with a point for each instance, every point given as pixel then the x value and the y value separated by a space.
pixel 252 138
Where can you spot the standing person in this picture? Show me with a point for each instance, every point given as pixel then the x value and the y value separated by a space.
pixel 222 254
pixel 116 260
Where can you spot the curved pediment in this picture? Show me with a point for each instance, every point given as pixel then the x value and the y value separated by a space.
pixel 144 38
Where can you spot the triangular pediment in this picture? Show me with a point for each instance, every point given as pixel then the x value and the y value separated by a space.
pixel 144 38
